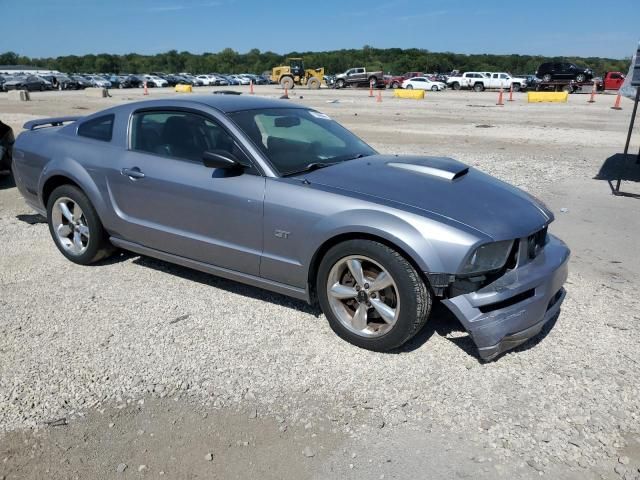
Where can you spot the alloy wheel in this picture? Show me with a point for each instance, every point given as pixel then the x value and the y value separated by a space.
pixel 363 296
pixel 70 226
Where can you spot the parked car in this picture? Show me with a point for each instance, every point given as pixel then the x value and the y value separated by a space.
pixel 156 81
pixel 62 82
pixel 30 83
pixel 423 83
pixel 612 80
pixel 473 80
pixel 374 238
pixel 98 81
pixel 506 81
pixel 395 81
pixel 82 81
pixel 6 146
pixel 206 80
pixel 130 81
pixel 550 71
pixel 242 79
pixel 360 76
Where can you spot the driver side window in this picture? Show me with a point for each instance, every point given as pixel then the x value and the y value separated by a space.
pixel 183 135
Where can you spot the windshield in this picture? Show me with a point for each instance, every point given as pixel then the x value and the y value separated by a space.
pixel 295 139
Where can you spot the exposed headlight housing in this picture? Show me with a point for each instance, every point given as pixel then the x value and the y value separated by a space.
pixel 488 257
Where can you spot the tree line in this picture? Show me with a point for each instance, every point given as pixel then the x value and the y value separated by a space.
pixel 391 60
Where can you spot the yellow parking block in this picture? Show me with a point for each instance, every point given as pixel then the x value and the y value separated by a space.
pixel 184 88
pixel 413 94
pixel 553 97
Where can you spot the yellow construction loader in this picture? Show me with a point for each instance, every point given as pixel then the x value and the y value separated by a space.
pixel 295 74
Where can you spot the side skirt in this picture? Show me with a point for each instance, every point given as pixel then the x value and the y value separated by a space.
pixel 277 287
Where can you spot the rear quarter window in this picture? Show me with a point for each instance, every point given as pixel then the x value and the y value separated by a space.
pixel 100 128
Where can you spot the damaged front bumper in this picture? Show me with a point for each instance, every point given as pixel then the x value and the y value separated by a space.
pixel 516 306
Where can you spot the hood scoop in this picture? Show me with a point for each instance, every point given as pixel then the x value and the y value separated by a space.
pixel 448 172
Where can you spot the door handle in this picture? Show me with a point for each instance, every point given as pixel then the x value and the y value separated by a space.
pixel 133 173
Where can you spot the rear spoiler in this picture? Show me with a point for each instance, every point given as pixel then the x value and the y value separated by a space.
pixel 54 122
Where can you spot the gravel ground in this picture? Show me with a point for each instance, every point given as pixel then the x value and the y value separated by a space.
pixel 80 342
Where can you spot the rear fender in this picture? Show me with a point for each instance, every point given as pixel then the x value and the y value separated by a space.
pixel 65 166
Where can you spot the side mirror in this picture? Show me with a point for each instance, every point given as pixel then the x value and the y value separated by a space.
pixel 219 159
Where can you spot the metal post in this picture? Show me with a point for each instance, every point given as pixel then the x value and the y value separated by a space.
pixel 631 123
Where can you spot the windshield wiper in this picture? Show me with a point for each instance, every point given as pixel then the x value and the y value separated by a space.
pixel 310 167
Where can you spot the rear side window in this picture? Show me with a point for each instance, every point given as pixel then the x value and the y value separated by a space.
pixel 100 128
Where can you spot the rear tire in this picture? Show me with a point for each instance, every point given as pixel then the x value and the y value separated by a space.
pixel 581 77
pixel 395 85
pixel 86 241
pixel 516 87
pixel 406 299
pixel 456 86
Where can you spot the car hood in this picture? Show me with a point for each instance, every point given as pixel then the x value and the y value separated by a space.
pixel 439 187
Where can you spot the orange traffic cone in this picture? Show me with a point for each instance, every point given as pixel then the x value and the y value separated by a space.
pixel 251 87
pixel 500 97
pixel 511 93
pixel 592 99
pixel 617 106
pixel 371 89
pixel 379 99
pixel 146 91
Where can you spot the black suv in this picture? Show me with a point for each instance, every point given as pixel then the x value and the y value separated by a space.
pixel 563 71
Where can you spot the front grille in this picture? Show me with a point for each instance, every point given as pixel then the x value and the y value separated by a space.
pixel 536 242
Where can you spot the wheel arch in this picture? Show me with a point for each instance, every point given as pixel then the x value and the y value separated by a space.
pixel 71 173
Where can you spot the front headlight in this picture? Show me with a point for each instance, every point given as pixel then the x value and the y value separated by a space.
pixel 488 257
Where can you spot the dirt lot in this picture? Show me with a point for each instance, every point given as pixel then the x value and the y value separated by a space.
pixel 138 368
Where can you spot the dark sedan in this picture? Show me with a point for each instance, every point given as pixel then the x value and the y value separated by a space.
pixel 30 83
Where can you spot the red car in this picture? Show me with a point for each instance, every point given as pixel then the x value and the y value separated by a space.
pixel 395 81
pixel 613 80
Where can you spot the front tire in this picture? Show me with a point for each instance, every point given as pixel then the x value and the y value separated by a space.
pixel 75 226
pixel 434 88
pixel 478 87
pixel 371 295
pixel 581 77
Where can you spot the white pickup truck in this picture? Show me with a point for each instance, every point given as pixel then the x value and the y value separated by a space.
pixel 479 81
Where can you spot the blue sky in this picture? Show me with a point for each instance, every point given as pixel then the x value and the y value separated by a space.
pixel 42 28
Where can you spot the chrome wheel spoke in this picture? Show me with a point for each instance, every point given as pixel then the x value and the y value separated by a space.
pixel 84 231
pixel 387 313
pixel 77 213
pixel 66 213
pixel 63 230
pixel 359 320
pixel 77 241
pixel 355 267
pixel 342 292
pixel 382 281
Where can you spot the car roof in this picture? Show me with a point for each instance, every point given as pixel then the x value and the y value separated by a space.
pixel 224 103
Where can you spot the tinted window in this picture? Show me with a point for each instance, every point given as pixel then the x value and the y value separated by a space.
pixel 182 135
pixel 100 128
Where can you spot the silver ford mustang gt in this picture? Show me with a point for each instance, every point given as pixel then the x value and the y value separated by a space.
pixel 280 196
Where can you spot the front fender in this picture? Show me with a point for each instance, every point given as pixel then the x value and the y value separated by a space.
pixel 384 225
